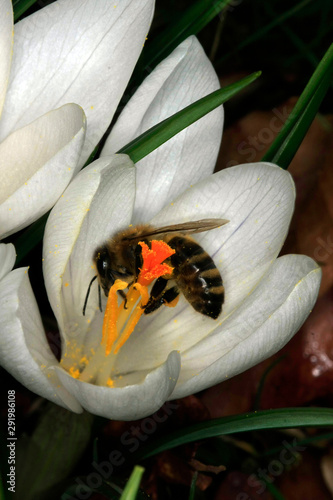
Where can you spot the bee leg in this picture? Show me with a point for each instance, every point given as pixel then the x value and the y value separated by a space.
pixel 153 305
pixel 160 296
pixel 170 296
pixel 123 296
pixel 156 295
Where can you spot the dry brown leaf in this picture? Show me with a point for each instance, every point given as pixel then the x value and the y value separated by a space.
pixel 200 467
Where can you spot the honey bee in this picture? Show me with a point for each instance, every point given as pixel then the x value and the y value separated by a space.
pixel 194 273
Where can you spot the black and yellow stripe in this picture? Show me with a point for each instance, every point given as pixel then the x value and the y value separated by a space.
pixel 197 276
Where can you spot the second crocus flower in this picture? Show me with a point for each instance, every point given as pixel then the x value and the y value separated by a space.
pixel 71 51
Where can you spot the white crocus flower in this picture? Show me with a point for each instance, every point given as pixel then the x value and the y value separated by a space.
pixel 72 51
pixel 172 352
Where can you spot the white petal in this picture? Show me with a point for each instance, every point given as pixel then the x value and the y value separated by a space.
pixel 81 51
pixel 36 164
pixel 97 203
pixel 6 46
pixel 181 79
pixel 258 201
pixel 7 258
pixel 262 325
pixel 131 402
pixel 24 351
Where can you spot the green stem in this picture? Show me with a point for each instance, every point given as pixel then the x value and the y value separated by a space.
pixel 287 142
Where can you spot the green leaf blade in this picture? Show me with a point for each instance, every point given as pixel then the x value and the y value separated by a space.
pixel 162 132
pixel 45 458
pixel 132 487
pixel 21 6
pixel 290 137
pixel 191 22
pixel 193 486
pixel 284 418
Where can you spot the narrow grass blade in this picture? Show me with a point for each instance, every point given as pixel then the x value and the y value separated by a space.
pixel 133 484
pixel 288 141
pixel 302 47
pixel 193 486
pixel 256 35
pixel 289 147
pixel 194 19
pixel 269 419
pixel 162 132
pixel 21 6
pixel 274 491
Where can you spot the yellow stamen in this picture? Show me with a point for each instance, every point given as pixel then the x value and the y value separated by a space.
pixel 120 321
pixel 109 330
pixel 136 315
pixel 132 298
pixel 143 290
pixel 116 319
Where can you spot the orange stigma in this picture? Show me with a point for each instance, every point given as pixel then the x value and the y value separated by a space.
pixel 120 321
pixel 153 259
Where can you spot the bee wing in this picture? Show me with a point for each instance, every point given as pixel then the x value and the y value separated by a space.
pixel 198 226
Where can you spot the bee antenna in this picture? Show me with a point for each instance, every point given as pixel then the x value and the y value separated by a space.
pixel 100 298
pixel 87 296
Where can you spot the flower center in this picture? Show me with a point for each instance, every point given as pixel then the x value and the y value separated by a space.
pixel 121 319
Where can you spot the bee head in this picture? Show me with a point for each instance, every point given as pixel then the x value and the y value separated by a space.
pixel 108 269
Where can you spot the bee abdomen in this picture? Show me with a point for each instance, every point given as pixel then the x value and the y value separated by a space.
pixel 197 276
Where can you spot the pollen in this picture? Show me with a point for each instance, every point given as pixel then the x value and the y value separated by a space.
pixel 75 372
pixel 84 360
pixel 123 314
pixel 120 321
pixel 153 266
